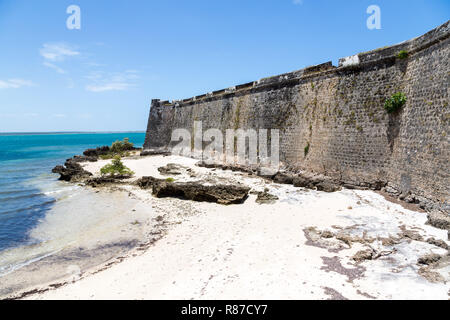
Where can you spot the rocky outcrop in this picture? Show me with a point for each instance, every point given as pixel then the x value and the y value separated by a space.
pixel 196 191
pixel 155 152
pixel 72 171
pixel 266 198
pixel 299 180
pixel 439 220
pixel 105 181
pixel 97 152
pixel 173 169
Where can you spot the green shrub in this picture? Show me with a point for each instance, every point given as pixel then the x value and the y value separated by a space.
pixel 121 146
pixel 307 149
pixel 170 180
pixel 402 54
pixel 116 168
pixel 395 102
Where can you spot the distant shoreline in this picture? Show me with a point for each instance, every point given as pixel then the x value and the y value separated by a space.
pixel 64 132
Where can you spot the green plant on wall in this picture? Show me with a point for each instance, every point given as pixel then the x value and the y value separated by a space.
pixel 395 102
pixel 307 149
pixel 402 54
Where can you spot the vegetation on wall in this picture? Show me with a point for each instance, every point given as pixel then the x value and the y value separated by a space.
pixel 395 102
pixel 403 54
pixel 307 149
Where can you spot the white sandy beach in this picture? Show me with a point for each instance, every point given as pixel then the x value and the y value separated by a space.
pixel 265 251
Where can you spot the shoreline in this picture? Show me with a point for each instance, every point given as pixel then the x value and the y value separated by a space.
pixel 302 245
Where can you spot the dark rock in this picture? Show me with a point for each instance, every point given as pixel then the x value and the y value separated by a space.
pixel 266 198
pixel 208 165
pixel 439 220
pixel 327 186
pixel 377 185
pixel 171 169
pixel 303 182
pixel 147 182
pixel 197 191
pixel 155 152
pixel 85 159
pixel 429 259
pixel 71 171
pixel 105 181
pixel 363 255
pixel 283 178
pixel 438 243
pixel 97 152
pixel 321 183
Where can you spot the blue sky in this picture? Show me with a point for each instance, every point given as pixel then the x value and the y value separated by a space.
pixel 103 76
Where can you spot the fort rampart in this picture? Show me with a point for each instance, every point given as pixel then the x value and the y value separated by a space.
pixel 339 113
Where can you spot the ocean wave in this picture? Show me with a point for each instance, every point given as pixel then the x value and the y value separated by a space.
pixel 31 207
pixel 19 197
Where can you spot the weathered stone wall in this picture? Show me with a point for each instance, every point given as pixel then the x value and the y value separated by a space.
pixel 339 112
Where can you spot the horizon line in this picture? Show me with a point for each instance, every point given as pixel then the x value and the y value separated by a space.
pixel 69 132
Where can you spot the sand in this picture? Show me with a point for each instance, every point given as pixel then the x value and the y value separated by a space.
pixel 268 251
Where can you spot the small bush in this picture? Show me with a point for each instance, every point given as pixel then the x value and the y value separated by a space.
pixel 116 168
pixel 307 149
pixel 170 180
pixel 395 102
pixel 402 54
pixel 122 146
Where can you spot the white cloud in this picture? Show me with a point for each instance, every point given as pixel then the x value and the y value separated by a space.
pixel 54 67
pixel 57 51
pixel 297 2
pixel 59 115
pixel 102 82
pixel 15 83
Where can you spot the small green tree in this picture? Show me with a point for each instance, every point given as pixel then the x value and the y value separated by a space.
pixel 122 146
pixel 395 102
pixel 116 168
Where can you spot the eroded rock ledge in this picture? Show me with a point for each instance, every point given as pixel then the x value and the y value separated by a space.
pixel 196 191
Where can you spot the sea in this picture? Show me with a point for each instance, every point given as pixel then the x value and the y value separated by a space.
pixel 29 191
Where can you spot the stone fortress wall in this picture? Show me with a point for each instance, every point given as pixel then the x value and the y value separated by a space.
pixel 339 113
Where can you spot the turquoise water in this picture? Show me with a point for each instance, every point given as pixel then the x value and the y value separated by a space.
pixel 28 189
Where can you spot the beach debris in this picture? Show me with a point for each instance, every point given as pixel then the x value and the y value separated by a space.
pixel 316 238
pixel 371 254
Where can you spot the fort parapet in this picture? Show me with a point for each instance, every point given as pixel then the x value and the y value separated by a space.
pixel 339 112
